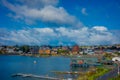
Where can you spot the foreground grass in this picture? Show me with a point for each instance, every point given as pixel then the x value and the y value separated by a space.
pixel 92 75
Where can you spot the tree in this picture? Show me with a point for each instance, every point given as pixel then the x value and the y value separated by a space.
pixel 25 48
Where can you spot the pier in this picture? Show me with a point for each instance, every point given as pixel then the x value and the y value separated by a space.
pixel 67 72
pixel 35 76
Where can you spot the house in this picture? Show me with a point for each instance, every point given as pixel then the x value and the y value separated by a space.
pixel 75 50
pixel 34 49
pixel 41 51
pixel 89 51
pixel 46 51
pixel 10 50
pixel 54 52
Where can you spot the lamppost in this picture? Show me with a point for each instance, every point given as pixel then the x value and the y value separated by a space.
pixel 117 61
pixel 118 68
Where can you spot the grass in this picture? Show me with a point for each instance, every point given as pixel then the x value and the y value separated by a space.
pixel 92 75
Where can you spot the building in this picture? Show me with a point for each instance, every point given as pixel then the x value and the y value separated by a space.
pixel 84 61
pixel 34 50
pixel 46 51
pixel 41 51
pixel 75 49
pixel 54 52
pixel 89 51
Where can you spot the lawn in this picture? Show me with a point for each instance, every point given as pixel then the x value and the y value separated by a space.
pixel 93 74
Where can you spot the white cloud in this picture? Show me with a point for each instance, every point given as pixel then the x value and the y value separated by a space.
pixel 52 14
pixel 83 11
pixel 48 13
pixel 100 28
pixel 38 3
pixel 81 36
pixel 31 36
pixel 44 30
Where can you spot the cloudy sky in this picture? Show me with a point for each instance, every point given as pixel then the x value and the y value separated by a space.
pixel 59 22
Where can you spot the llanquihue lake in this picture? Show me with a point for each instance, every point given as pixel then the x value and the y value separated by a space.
pixel 24 64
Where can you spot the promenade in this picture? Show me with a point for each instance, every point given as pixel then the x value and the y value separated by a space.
pixel 113 73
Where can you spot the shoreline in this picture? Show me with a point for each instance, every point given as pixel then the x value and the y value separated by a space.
pixel 31 55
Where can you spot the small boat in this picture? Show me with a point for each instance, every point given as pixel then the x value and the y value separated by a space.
pixel 35 62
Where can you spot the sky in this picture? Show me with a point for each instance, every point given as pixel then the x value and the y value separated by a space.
pixel 59 22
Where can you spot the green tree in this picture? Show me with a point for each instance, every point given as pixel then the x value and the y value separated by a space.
pixel 25 48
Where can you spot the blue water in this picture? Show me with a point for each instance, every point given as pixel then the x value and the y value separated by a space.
pixel 23 64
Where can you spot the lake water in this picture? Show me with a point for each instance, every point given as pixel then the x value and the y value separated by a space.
pixel 23 64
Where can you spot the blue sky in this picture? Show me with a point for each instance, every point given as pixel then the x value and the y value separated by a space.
pixel 59 22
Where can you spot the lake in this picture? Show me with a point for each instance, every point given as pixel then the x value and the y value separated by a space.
pixel 24 64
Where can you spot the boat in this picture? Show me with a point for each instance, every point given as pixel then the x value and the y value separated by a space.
pixel 35 62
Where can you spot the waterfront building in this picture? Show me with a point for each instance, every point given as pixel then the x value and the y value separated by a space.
pixel 54 52
pixel 1 47
pixel 34 49
pixel 3 50
pixel 84 61
pixel 75 50
pixel 47 51
pixel 10 49
pixel 41 51
pixel 89 51
pixel 19 52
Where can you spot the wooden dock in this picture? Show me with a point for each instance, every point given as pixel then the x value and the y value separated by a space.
pixel 67 72
pixel 35 76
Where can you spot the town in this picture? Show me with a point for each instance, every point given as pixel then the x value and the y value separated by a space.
pixel 61 50
pixel 98 60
